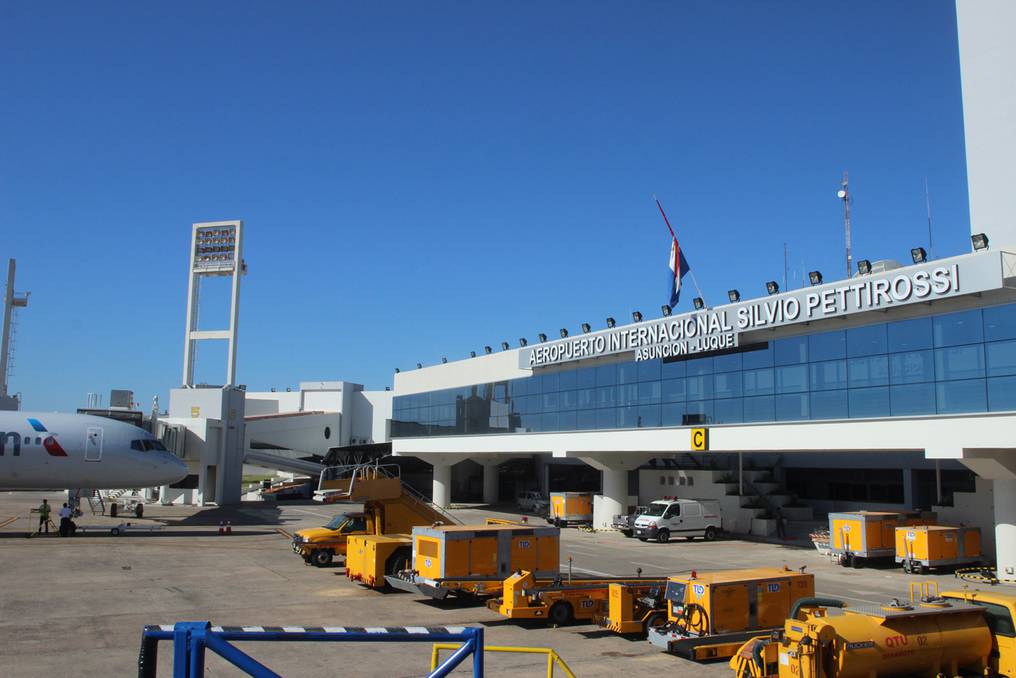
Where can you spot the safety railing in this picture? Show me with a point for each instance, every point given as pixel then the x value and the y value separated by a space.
pixel 191 639
pixel 553 658
pixel 353 472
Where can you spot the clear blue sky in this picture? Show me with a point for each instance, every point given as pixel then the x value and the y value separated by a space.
pixel 421 179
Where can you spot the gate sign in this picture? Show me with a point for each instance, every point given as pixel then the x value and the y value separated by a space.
pixel 700 439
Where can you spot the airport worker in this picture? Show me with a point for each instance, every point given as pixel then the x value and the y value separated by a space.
pixel 65 520
pixel 44 516
pixel 781 525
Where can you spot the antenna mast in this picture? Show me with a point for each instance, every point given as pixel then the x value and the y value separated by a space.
pixel 927 204
pixel 11 302
pixel 785 267
pixel 844 195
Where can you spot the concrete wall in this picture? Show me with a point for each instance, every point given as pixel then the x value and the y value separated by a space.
pixel 976 509
pixel 987 46
pixel 372 412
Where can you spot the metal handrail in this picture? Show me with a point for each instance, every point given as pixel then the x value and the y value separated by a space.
pixel 382 470
pixel 553 658
pixel 191 639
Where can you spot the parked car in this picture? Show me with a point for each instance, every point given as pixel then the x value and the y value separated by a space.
pixel 687 518
pixel 532 502
pixel 625 522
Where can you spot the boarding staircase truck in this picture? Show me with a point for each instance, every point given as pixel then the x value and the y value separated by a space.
pixel 390 507
pixel 567 599
pixel 955 633
pixel 711 614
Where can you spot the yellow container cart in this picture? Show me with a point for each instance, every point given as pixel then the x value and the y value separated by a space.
pixel 711 614
pixel 924 546
pixel 570 508
pixel 856 536
pixel 372 556
pixel 476 559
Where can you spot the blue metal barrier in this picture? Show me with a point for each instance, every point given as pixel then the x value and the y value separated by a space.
pixel 191 638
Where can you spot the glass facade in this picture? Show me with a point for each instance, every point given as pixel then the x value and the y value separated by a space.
pixel 944 364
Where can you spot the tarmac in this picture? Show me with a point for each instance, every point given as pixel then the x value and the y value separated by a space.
pixel 78 605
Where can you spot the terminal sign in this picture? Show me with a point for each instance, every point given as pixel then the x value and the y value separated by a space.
pixel 719 329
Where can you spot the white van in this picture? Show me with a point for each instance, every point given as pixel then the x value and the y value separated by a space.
pixel 687 518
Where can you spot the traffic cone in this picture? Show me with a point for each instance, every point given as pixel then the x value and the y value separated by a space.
pixel 222 528
pixel 229 527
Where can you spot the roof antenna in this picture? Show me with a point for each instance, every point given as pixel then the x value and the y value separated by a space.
pixel 927 204
pixel 844 195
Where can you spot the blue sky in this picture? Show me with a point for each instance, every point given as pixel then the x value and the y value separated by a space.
pixel 418 180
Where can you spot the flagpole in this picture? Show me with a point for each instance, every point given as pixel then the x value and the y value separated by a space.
pixel 671 229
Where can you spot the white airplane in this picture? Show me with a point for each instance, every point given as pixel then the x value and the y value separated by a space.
pixel 51 450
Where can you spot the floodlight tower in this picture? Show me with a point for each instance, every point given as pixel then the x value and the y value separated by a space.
pixel 216 251
pixel 11 302
pixel 844 195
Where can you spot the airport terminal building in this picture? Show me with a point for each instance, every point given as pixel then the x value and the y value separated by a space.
pixel 875 392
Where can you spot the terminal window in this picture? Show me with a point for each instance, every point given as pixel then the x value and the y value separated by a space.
pixel 946 364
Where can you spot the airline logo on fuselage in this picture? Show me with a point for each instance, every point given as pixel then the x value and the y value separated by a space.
pixel 11 440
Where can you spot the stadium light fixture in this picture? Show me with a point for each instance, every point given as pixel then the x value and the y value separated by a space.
pixel 734 296
pixel 773 287
pixel 979 241
pixel 815 277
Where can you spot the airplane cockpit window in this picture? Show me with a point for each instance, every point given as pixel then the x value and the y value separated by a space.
pixel 138 445
pixel 153 445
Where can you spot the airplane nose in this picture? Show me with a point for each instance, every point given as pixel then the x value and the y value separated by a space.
pixel 172 470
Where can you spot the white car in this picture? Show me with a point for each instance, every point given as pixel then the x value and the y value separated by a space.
pixel 534 502
pixel 687 518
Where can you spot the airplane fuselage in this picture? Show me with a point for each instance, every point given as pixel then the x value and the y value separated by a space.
pixel 52 450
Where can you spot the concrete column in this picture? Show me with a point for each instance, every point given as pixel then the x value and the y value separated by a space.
pixel 442 495
pixel 908 488
pixel 1005 528
pixel 614 466
pixel 615 496
pixel 490 482
pixel 442 488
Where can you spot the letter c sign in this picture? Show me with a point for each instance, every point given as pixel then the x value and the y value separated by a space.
pixel 700 439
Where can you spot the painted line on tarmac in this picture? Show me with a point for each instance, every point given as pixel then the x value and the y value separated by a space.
pixel 312 513
pixel 840 595
pixel 8 521
pixel 655 567
pixel 587 570
pixel 284 533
